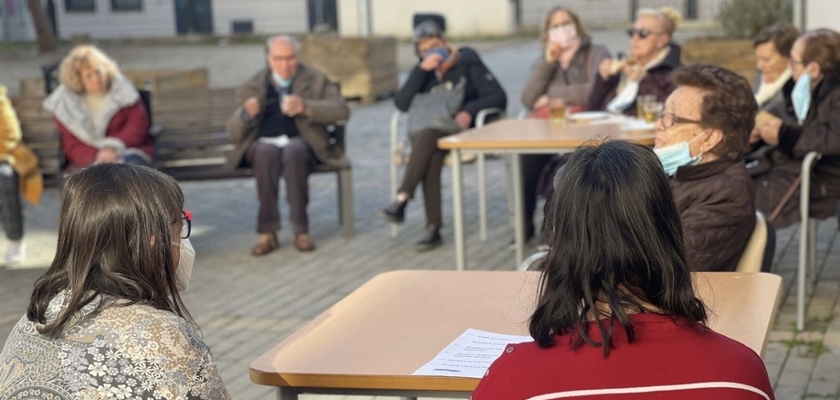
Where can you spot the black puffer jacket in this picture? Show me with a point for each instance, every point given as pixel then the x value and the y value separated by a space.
pixel 482 90
pixel 717 207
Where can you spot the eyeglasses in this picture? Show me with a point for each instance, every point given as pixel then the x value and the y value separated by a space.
pixel 642 33
pixel 670 119
pixel 186 224
pixel 562 24
pixel 795 62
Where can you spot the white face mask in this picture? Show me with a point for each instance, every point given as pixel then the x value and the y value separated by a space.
pixel 564 35
pixel 677 155
pixel 185 265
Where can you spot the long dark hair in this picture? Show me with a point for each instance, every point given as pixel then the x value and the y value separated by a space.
pixel 115 235
pixel 616 248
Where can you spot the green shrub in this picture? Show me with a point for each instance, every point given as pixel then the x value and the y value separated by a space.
pixel 744 18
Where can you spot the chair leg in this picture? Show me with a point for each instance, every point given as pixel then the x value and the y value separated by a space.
pixel 801 274
pixel 482 198
pixel 345 201
pixel 812 254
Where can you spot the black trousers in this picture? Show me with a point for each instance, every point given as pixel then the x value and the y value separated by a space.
pixel 425 165
pixel 11 213
pixel 532 166
pixel 294 163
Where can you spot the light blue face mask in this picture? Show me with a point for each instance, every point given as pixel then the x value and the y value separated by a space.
pixel 801 96
pixel 677 155
pixel 279 81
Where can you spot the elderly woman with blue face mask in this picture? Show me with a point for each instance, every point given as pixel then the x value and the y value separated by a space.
pixel 815 100
pixel 701 139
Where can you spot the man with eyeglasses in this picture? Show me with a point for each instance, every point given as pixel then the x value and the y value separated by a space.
pixel 646 71
pixel 701 139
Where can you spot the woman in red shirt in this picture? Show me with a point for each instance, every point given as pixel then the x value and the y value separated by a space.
pixel 617 316
pixel 98 112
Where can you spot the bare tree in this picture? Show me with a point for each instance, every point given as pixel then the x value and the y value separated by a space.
pixel 46 39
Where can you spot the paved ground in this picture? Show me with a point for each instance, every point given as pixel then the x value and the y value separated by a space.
pixel 245 305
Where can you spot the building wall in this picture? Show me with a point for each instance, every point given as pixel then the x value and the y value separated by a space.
pixel 269 17
pixel 463 17
pixel 822 14
pixel 156 19
pixel 16 23
pixel 609 13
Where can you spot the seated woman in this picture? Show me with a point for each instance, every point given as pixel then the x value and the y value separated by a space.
pixel 106 320
pixel 772 54
pixel 701 139
pixel 616 311
pixel 98 112
pixel 815 64
pixel 440 64
pixel 646 71
pixel 566 70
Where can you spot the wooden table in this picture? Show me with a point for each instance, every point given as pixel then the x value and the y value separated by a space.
pixel 520 136
pixel 371 342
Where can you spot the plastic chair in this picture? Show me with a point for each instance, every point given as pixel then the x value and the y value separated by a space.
pixel 807 234
pixel 533 261
pixel 400 154
pixel 758 254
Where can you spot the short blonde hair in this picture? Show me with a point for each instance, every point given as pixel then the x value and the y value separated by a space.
pixel 669 17
pixel 82 56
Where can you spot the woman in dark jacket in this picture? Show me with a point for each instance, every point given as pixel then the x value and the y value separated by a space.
pixel 566 70
pixel 815 99
pixel 647 70
pixel 701 140
pixel 439 63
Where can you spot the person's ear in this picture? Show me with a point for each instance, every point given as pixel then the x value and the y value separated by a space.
pixel 663 40
pixel 152 241
pixel 714 137
pixel 813 69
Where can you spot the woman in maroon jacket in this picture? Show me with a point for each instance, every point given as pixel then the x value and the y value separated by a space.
pixel 646 71
pixel 616 311
pixel 98 112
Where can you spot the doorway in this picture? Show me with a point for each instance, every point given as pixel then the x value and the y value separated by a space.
pixel 323 16
pixel 194 16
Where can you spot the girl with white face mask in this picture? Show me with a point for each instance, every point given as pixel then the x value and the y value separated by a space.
pixel 815 100
pixel 566 69
pixel 123 256
pixel 701 139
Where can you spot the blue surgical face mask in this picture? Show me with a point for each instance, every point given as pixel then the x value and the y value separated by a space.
pixel 677 155
pixel 279 81
pixel 801 96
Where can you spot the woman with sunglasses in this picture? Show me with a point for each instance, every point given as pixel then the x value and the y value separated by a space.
pixel 106 321
pixel 566 70
pixel 646 71
pixel 815 100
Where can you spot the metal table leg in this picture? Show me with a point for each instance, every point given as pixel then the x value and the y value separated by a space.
pixel 458 211
pixel 518 206
pixel 482 199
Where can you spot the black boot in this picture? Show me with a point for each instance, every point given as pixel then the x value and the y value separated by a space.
pixel 395 212
pixel 431 240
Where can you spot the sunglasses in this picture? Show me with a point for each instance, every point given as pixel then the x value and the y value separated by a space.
pixel 642 33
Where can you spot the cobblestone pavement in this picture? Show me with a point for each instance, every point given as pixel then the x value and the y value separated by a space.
pixel 245 305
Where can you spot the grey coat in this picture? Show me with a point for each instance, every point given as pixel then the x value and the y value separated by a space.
pixel 574 84
pixel 321 96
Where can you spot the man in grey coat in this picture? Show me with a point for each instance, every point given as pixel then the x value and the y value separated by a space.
pixel 280 129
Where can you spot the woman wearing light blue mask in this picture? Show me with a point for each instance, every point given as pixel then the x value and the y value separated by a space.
pixel 701 139
pixel 815 100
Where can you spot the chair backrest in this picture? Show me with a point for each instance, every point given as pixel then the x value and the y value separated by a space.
pixel 533 262
pixel 758 254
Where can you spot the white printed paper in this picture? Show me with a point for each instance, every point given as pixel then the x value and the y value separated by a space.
pixel 470 354
pixel 279 141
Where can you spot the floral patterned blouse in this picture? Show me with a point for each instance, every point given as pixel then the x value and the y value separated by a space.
pixel 123 352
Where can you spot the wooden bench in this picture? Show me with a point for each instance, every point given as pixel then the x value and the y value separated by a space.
pixel 191 144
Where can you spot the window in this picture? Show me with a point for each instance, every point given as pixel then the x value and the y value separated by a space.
pixel 79 5
pixel 126 5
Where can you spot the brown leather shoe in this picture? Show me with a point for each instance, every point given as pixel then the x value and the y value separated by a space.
pixel 266 244
pixel 303 242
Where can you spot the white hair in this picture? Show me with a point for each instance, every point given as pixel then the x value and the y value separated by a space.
pixel 285 38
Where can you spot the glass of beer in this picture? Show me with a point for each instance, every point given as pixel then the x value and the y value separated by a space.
pixel 652 110
pixel 641 101
pixel 556 111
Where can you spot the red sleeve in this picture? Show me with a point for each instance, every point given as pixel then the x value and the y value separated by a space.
pixel 78 153
pixel 131 125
